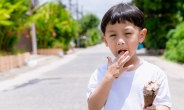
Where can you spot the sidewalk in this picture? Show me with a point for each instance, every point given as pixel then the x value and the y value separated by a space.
pixel 40 60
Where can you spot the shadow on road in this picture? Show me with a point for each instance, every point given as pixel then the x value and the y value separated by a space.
pixel 32 82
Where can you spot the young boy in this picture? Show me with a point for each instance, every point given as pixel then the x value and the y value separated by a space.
pixel 119 84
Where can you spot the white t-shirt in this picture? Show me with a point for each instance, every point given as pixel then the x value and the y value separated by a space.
pixel 127 91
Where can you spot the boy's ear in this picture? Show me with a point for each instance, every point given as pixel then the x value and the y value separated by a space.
pixel 142 35
pixel 104 39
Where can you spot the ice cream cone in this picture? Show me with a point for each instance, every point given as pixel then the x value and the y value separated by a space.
pixel 150 91
pixel 148 100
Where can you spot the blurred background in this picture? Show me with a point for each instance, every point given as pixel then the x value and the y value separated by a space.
pixel 31 25
pixel 34 33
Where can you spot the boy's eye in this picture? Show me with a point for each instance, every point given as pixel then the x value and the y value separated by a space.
pixel 128 33
pixel 112 35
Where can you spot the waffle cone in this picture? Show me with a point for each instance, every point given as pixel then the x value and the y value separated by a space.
pixel 148 100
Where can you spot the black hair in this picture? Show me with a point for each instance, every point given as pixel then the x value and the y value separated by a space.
pixel 121 13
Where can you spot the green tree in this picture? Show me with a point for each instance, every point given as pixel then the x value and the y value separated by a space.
pixel 88 26
pixel 12 20
pixel 175 45
pixel 89 21
pixel 93 37
pixel 160 17
pixel 54 25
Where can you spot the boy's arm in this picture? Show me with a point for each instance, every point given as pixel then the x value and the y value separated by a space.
pixel 99 96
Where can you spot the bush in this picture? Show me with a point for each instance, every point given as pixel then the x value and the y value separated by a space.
pixel 88 21
pixel 12 22
pixel 93 36
pixel 160 16
pixel 88 31
pixel 54 24
pixel 175 45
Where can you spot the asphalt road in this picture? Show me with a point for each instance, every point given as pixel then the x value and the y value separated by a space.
pixel 64 87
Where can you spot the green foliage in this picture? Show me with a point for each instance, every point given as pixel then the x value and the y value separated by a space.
pixel 93 37
pixel 2 53
pixel 57 44
pixel 89 21
pixel 17 51
pixel 88 26
pixel 160 16
pixel 54 24
pixel 175 45
pixel 12 19
pixel 66 32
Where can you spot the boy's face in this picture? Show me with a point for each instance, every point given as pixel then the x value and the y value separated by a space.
pixel 122 37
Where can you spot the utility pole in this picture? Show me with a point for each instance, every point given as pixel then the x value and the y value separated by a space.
pixel 70 5
pixel 77 17
pixel 81 11
pixel 33 28
pixel 77 13
pixel 77 10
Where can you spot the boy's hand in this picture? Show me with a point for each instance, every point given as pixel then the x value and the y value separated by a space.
pixel 116 67
pixel 153 107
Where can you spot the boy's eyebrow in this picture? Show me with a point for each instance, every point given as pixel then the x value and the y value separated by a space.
pixel 128 28
pixel 110 31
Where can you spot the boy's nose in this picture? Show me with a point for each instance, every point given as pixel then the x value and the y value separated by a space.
pixel 120 42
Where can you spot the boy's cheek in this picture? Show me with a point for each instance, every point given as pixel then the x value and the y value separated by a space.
pixel 106 43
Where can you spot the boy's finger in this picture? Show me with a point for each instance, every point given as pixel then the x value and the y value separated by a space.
pixel 121 64
pixel 122 57
pixel 109 60
pixel 142 105
pixel 127 68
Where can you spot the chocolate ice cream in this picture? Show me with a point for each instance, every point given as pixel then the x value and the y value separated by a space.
pixel 150 91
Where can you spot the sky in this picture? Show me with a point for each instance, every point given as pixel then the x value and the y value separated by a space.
pixel 98 7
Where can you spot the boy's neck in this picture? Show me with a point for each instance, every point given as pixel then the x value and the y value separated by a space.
pixel 135 61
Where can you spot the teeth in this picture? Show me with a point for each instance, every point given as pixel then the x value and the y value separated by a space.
pixel 121 51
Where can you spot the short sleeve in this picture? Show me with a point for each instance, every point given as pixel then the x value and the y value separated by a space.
pixel 163 96
pixel 95 79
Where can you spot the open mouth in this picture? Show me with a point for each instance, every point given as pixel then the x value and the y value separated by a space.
pixel 121 51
